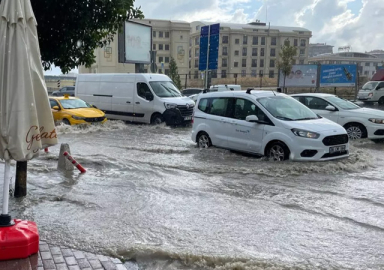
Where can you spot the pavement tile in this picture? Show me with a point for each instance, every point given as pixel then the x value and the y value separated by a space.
pixel 43 247
pixel 78 254
pixel 70 260
pixel 116 260
pixel 95 264
pixel 90 256
pixel 46 255
pixel 48 264
pixel 61 266
pixel 55 250
pixel 83 263
pixel 103 258
pixel 40 268
pixel 120 267
pixel 108 265
pixel 58 258
pixel 66 252
pixel 74 267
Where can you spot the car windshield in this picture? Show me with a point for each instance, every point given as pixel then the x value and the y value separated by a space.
pixel 165 89
pixel 287 108
pixel 370 86
pixel 74 104
pixel 342 103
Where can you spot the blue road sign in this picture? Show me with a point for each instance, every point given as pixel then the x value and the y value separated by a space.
pixel 209 38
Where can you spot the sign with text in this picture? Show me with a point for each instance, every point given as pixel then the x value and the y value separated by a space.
pixel 338 75
pixel 209 47
pixel 301 76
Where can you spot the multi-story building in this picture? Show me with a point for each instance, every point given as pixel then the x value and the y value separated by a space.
pixel 169 39
pixel 249 49
pixel 367 63
pixel 378 53
pixel 319 48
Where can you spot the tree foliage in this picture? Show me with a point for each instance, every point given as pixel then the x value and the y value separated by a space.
pixel 287 55
pixel 174 73
pixel 70 30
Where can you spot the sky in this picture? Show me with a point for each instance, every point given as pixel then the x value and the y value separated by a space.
pixel 357 23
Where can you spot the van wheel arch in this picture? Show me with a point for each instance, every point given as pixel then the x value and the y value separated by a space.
pixel 200 134
pixel 357 124
pixel 157 118
pixel 273 143
pixel 381 100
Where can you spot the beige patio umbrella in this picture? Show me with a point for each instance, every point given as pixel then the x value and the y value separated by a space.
pixel 26 122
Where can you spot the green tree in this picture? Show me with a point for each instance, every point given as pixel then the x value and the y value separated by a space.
pixel 284 64
pixel 70 30
pixel 174 73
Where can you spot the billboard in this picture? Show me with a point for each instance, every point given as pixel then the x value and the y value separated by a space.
pixel 338 75
pixel 136 43
pixel 301 76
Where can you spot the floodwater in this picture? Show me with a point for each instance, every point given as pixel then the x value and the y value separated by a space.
pixel 151 197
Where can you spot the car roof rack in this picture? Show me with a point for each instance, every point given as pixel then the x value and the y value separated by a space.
pixel 249 90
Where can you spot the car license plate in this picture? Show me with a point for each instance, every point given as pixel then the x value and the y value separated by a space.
pixel 187 118
pixel 337 149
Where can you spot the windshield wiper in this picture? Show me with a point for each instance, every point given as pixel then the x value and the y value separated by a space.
pixel 283 118
pixel 306 118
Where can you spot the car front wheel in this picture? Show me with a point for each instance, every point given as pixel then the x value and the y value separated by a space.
pixel 277 151
pixel 355 131
pixel 203 140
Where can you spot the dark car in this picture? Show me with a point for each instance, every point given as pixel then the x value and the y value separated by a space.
pixel 192 91
pixel 69 90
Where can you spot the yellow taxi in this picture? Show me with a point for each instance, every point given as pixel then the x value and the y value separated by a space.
pixel 75 111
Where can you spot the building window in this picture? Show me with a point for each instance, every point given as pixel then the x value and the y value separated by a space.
pixel 245 40
pixel 197 41
pixel 160 47
pixel 295 42
pixel 197 52
pixel 154 33
pixel 166 71
pixel 197 27
pixel 271 74
pixel 243 73
pixel 161 59
pixel 273 41
pixel 166 34
pixel 224 62
pixel 254 62
pixel 236 53
pixel 236 64
pixel 245 51
pixel 214 73
pixel 181 37
pixel 262 40
pixel 223 74
pixel 301 62
pixel 154 47
pixel 253 73
pixel 225 39
pixel 196 75
pixel 303 42
pixel 261 62
pixel 225 50
pixel 262 52
pixel 255 41
pixel 287 42
pixel 196 63
pixel 161 34
pixel 254 51
pixel 167 47
pixel 273 52
pixel 366 72
pixel 367 64
pixel 302 51
pixel 272 63
pixel 190 65
pixel 237 41
pixel 166 59
pixel 244 63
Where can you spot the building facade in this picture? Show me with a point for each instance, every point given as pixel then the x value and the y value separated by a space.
pixel 169 39
pixel 248 50
pixel 367 63
pixel 319 48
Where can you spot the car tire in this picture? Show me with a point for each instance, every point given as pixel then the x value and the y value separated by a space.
pixel 66 122
pixel 381 101
pixel 157 119
pixel 203 140
pixel 356 131
pixel 277 151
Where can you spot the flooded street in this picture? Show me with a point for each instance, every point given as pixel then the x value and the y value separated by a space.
pixel 152 197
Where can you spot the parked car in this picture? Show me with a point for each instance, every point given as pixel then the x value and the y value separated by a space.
pixel 192 91
pixel 266 123
pixel 74 111
pixel 69 90
pixel 359 122
pixel 143 98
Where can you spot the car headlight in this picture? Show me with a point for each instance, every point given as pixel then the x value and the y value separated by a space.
pixel 77 117
pixel 170 105
pixel 305 133
pixel 376 121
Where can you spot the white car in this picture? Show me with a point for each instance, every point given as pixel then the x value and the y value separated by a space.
pixel 359 122
pixel 266 123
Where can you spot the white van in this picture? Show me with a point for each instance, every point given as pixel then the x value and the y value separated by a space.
pixel 373 91
pixel 225 87
pixel 266 123
pixel 143 98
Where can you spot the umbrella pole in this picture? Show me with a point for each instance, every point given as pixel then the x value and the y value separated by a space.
pixel 5 219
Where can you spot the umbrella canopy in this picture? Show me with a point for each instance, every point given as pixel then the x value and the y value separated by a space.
pixel 26 121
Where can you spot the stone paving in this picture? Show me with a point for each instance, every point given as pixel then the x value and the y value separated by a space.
pixel 62 258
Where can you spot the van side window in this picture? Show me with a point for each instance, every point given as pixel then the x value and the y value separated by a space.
pixel 203 105
pixel 380 86
pixel 219 106
pixel 244 107
pixel 143 91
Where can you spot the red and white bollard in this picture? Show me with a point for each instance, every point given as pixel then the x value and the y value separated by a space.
pixel 46 150
pixel 74 162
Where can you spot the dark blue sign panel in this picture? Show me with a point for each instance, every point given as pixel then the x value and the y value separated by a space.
pixel 338 75
pixel 209 38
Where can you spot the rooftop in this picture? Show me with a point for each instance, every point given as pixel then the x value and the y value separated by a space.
pixel 347 54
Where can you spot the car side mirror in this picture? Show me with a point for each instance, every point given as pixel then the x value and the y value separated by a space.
pixel 330 108
pixel 252 119
pixel 56 108
pixel 149 96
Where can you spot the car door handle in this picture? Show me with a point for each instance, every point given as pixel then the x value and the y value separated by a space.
pixel 137 102
pixel 128 102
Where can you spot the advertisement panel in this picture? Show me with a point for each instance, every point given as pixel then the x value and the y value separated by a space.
pixel 301 76
pixel 138 39
pixel 338 75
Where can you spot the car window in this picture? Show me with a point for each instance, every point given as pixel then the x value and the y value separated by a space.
pixel 342 103
pixel 165 89
pixel 143 91
pixel 63 89
pixel 315 103
pixel 203 105
pixel 381 86
pixel 219 106
pixel 244 107
pixel 53 103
